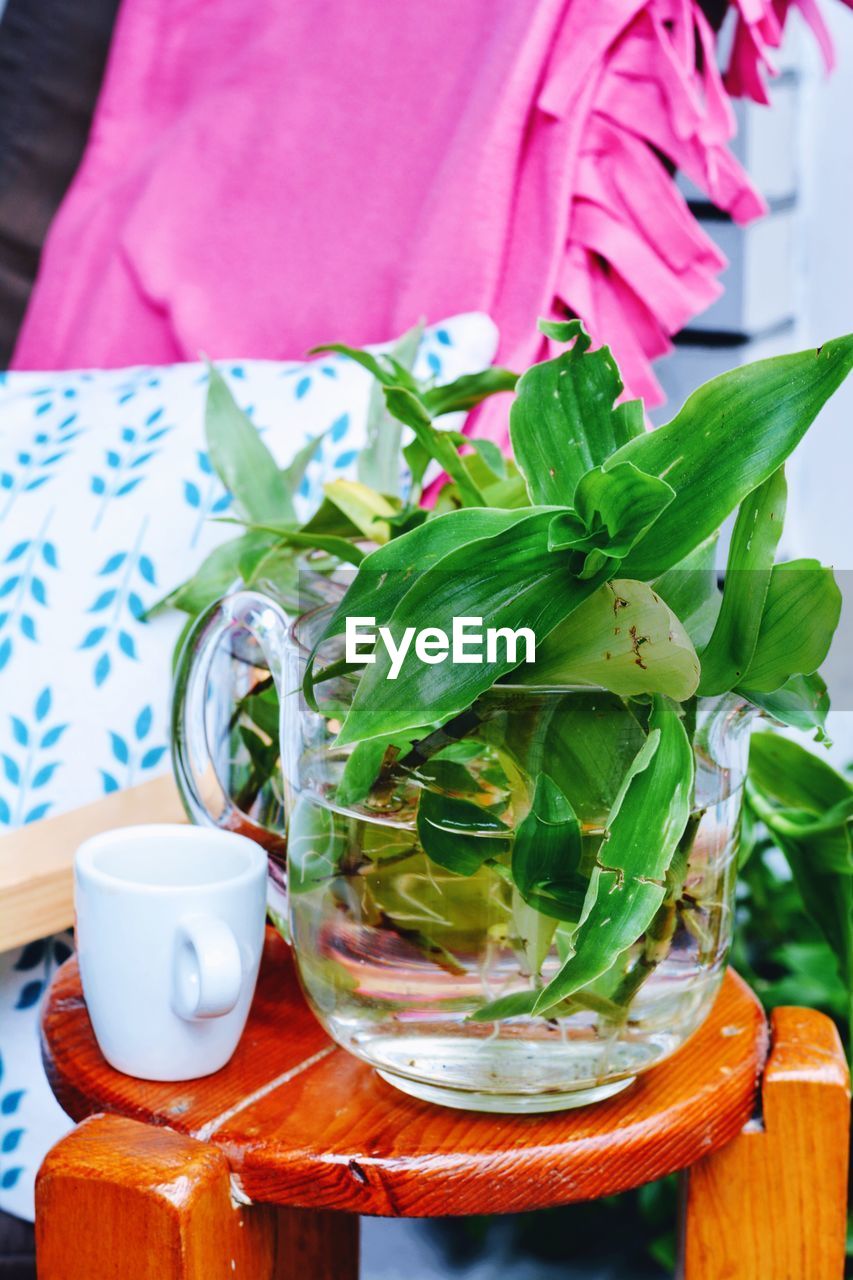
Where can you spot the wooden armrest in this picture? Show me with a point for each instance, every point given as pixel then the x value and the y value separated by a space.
pixel 36 888
pixel 773 1203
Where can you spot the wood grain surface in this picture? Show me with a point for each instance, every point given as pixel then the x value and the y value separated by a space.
pixel 36 882
pixel 772 1205
pixel 304 1124
pixel 117 1200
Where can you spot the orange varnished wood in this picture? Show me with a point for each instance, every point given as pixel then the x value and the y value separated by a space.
pixel 304 1124
pixel 118 1200
pixel 318 1244
pixel 772 1205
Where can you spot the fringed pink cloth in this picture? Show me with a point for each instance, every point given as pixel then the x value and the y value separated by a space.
pixel 261 180
pixel 760 28
pixel 636 265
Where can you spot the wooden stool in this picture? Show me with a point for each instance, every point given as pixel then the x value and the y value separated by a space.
pixel 261 1170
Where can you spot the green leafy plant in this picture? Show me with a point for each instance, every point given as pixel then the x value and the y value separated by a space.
pixel 805 807
pixel 600 536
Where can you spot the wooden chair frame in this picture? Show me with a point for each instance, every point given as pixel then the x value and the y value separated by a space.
pixel 125 1196
pixel 124 1199
pixel 36 862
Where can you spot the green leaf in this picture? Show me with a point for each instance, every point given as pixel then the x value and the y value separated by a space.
pixel 785 782
pixel 408 518
pixel 488 471
pixel 361 770
pixel 623 638
pixel 481 477
pixel 264 711
pixel 793 777
pixel 254 549
pixel 547 853
pixel 275 569
pixel 801 823
pixel 563 422
pixel 315 847
pixel 511 578
pixel 584 741
pixel 623 503
pixel 515 1005
pixel 690 589
pixel 387 573
pixel 435 443
pixel 532 932
pixel 366 509
pixel 417 460
pixel 447 776
pixel 408 401
pixel 642 835
pixel 729 437
pixel 750 563
pixel 294 473
pixel 614 509
pixel 403 377
pixel 264 755
pixel 640 762
pixel 800 615
pixel 488 452
pixel 459 835
pixel 241 459
pixel 342 548
pixel 510 493
pixel 469 390
pixel 802 702
pixel 379 460
pixel 565 331
pixel 630 420
pixel 379 365
pixel 214 577
pixel 329 519
pixel 809 976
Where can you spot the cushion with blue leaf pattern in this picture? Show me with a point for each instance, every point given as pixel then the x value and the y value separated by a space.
pixel 107 502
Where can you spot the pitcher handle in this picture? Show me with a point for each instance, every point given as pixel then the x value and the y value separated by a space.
pixel 205 798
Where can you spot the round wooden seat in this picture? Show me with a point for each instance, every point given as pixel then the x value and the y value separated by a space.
pixel 303 1123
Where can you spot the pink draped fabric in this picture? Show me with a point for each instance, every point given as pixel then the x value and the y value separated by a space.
pixel 262 179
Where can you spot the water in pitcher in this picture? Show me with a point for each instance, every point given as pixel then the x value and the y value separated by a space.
pixel 396 952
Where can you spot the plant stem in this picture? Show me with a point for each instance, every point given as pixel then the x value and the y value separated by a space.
pixel 659 935
pixel 459 727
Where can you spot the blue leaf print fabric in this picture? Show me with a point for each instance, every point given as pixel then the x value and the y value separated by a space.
pixel 108 500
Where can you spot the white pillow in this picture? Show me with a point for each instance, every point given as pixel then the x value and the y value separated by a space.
pixel 105 494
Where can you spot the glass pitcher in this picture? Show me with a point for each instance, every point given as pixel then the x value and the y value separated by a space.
pixel 397 955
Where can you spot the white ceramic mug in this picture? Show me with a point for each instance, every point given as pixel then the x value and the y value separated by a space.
pixel 170 926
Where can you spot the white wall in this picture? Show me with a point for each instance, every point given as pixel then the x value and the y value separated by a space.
pixel 821 515
pixel 820 518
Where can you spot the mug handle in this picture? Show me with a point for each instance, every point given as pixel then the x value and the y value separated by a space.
pixel 207 972
pixel 205 797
